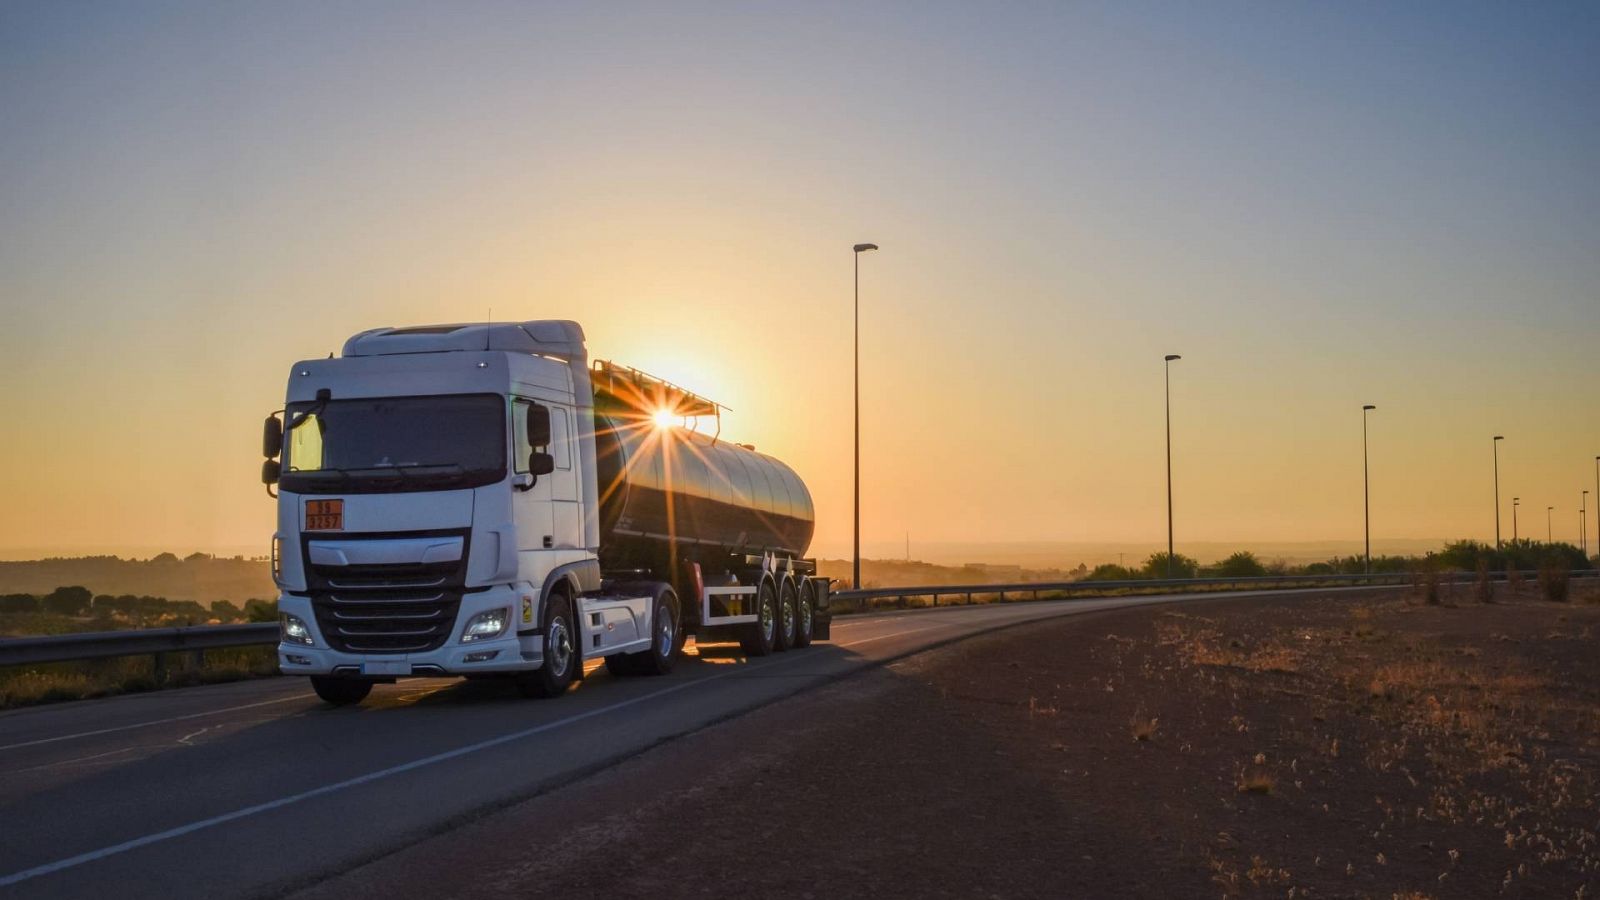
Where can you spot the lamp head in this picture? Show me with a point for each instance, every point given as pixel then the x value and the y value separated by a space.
pixel 1367 407
pixel 1499 437
pixel 862 247
pixel 1173 356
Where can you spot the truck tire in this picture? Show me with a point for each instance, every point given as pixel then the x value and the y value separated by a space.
pixel 561 653
pixel 340 691
pixel 784 639
pixel 805 610
pixel 666 623
pixel 758 636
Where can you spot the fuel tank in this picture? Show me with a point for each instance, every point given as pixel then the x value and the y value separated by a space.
pixel 668 483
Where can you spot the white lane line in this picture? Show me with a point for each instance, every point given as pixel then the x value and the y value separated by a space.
pixel 157 837
pixel 213 712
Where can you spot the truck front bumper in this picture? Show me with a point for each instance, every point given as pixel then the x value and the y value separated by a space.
pixel 504 654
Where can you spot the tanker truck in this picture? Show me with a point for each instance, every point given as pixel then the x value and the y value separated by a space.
pixel 478 500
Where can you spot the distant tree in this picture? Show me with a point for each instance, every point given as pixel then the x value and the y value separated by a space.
pixel 223 611
pixel 19 603
pixel 165 559
pixel 1321 568
pixel 188 609
pixel 126 605
pixel 1111 572
pixel 149 610
pixel 197 556
pixel 261 610
pixel 1182 566
pixel 68 601
pixel 1240 565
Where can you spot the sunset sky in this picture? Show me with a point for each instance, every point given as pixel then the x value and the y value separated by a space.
pixel 1318 206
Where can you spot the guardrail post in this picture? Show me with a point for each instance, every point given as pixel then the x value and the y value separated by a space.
pixel 197 659
pixel 158 668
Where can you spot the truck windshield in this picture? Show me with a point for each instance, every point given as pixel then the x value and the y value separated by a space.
pixel 395 444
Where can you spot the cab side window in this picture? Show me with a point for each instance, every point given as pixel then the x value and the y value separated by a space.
pixel 519 430
pixel 560 437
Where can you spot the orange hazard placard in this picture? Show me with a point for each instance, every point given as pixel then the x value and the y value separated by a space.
pixel 324 515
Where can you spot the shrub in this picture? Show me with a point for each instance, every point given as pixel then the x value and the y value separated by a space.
pixel 1111 572
pixel 19 603
pixel 1240 565
pixel 68 601
pixel 1484 585
pixel 1182 566
pixel 1553 577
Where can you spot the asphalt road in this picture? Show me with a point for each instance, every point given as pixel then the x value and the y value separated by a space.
pixel 257 788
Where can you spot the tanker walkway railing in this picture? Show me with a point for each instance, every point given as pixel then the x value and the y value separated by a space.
pixel 197 639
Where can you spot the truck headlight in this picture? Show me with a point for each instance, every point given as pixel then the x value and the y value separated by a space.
pixel 486 625
pixel 292 630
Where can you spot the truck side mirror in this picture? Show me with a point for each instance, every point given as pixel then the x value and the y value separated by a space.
pixel 270 470
pixel 272 438
pixel 541 463
pixel 538 425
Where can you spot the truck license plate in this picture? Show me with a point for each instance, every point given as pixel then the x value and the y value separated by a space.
pixel 324 515
pixel 386 667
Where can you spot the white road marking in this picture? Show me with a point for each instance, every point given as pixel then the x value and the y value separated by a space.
pixel 213 712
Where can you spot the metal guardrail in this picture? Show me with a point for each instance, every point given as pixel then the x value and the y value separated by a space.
pixel 1035 588
pixel 135 642
pixel 199 638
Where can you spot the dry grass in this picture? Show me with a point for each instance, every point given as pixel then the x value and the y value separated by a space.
pixel 1257 781
pixel 58 682
pixel 1143 727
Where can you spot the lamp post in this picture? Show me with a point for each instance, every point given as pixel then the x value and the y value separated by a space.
pixel 1497 439
pixel 856 566
pixel 1514 502
pixel 1548 533
pixel 1168 370
pixel 1583 525
pixel 1366 488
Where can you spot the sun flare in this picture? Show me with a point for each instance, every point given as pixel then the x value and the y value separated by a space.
pixel 663 418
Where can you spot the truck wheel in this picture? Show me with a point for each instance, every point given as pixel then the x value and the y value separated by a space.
pixel 759 636
pixel 786 617
pixel 560 653
pixel 805 614
pixel 340 691
pixel 668 623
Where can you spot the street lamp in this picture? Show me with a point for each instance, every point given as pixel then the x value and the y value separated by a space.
pixel 856 568
pixel 1583 525
pixel 1497 439
pixel 1168 367
pixel 1548 533
pixel 1514 502
pixel 1366 486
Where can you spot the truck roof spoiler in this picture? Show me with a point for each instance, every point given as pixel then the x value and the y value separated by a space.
pixel 559 338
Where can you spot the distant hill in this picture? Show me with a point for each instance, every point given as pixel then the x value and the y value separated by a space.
pixel 199 577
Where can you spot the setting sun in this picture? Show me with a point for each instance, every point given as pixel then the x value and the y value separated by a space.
pixel 663 418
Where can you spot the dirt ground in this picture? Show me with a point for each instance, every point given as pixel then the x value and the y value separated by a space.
pixel 1317 746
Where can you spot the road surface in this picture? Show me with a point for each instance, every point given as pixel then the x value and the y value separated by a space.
pixel 257 788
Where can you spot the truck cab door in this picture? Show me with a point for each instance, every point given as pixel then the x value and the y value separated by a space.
pixel 530 508
pixel 566 500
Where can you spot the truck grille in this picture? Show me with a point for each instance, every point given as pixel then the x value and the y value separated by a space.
pixel 406 608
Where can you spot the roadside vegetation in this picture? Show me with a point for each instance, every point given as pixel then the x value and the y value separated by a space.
pixel 73 609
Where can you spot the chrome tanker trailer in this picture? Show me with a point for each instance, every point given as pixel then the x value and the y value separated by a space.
pixel 480 500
